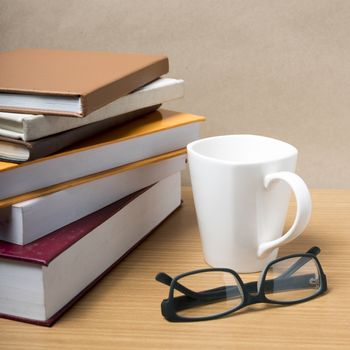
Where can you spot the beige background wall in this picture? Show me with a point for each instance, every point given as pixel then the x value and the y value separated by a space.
pixel 276 68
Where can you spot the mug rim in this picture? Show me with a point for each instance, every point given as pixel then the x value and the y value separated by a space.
pixel 191 145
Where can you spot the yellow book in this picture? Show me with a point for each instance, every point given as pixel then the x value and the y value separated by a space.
pixel 155 134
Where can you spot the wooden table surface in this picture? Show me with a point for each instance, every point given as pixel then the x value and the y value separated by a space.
pixel 123 310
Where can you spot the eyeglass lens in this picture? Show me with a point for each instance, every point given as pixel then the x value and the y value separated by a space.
pixel 211 293
pixel 292 279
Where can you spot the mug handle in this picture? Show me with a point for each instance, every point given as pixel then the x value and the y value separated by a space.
pixel 303 214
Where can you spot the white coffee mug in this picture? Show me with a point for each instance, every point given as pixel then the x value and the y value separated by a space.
pixel 241 186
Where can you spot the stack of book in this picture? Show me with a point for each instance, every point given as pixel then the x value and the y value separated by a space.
pixel 89 167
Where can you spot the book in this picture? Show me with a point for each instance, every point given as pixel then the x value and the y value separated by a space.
pixel 154 134
pixel 26 221
pixel 145 137
pixel 86 179
pixel 28 127
pixel 41 280
pixel 18 151
pixel 75 83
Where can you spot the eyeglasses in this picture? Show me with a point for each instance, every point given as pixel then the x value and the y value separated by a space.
pixel 211 293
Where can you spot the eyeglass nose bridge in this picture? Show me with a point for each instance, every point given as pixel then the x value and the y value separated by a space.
pixel 252 292
pixel 253 298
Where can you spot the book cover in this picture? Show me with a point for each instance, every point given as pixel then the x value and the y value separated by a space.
pixel 89 79
pixel 28 127
pixel 157 133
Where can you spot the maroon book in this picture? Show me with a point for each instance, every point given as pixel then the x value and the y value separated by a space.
pixel 46 249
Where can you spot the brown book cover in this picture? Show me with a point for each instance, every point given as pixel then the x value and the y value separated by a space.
pixel 22 151
pixel 95 78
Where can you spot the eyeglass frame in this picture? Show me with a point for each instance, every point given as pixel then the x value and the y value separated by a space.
pixel 168 305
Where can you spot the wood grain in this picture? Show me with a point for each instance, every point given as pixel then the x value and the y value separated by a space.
pixel 123 310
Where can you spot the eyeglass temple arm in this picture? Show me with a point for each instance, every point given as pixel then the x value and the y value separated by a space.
pixel 164 278
pixel 299 263
pixel 251 287
pixel 191 299
pixel 212 294
pixel 295 267
pixel 216 293
pixel 230 292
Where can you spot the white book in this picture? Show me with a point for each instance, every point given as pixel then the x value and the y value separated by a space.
pixel 24 222
pixel 37 286
pixel 31 127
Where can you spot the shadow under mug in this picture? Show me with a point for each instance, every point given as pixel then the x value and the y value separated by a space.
pixel 241 187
